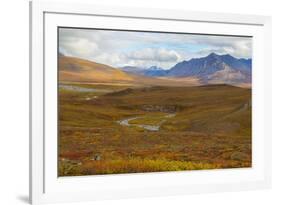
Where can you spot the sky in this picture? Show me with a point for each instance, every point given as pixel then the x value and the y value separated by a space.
pixel 145 49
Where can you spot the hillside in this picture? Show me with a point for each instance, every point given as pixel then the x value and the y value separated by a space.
pixel 84 71
pixel 80 70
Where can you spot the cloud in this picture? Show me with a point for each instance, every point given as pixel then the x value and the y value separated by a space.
pixel 119 48
pixel 79 48
pixel 152 54
pixel 240 47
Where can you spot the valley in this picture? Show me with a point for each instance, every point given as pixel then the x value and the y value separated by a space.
pixel 119 128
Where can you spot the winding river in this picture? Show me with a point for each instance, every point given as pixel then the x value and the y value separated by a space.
pixel 126 122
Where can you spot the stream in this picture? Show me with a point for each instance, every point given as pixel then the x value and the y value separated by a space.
pixel 126 122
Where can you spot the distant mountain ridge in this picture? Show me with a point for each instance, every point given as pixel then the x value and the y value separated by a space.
pixel 212 69
pixel 215 68
pixel 209 64
pixel 153 71
pixel 133 69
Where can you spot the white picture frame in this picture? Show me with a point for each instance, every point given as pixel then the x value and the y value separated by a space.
pixel 46 187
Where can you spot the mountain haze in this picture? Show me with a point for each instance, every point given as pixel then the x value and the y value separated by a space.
pixel 133 69
pixel 155 71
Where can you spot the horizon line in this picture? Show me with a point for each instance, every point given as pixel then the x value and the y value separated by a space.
pixel 118 67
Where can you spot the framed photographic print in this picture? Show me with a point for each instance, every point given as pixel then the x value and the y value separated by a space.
pixel 130 102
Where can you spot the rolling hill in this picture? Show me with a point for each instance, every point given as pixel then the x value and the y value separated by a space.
pixel 76 69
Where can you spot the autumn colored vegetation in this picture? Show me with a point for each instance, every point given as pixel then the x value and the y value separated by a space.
pixel 208 127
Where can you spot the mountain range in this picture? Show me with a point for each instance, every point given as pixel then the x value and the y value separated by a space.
pixel 212 69
pixel 215 68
